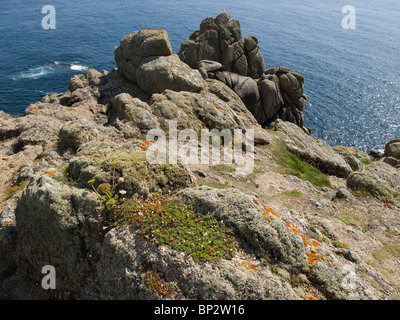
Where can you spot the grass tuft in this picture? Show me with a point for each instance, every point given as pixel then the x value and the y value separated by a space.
pixel 290 164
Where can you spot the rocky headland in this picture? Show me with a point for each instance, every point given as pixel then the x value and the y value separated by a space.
pixel 311 221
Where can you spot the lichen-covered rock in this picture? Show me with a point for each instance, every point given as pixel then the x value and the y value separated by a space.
pixel 94 77
pixel 156 74
pixel 60 226
pixel 127 258
pixel 252 222
pixel 131 111
pixel 36 131
pixel 136 47
pixel 94 161
pixel 370 182
pixel 206 66
pixel 77 82
pixel 206 109
pixel 75 133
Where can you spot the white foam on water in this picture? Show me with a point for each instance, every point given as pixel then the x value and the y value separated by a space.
pixel 34 73
pixel 41 71
pixel 78 67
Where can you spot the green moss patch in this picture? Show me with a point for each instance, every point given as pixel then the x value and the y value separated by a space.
pixel 174 222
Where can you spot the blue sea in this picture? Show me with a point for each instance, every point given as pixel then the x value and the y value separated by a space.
pixel 352 75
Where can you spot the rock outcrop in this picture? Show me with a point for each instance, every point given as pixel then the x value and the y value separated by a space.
pixel 146 58
pixel 219 51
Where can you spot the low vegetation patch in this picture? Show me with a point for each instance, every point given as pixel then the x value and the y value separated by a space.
pixel 174 222
pixel 366 160
pixel 216 185
pixel 162 288
pixel 223 168
pixel 344 220
pixel 15 189
pixel 290 164
pixel 387 251
pixel 293 193
pixel 339 244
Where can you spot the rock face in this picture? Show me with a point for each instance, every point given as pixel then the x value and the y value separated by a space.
pixel 66 221
pixel 268 94
pixel 93 162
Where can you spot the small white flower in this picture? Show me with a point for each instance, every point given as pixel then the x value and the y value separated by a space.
pixel 123 192
pixel 121 179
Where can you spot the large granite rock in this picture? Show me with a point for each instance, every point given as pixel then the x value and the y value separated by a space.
pixel 271 98
pixel 156 74
pixel 245 217
pixel 221 40
pixel 255 59
pixel 136 47
pixel 246 88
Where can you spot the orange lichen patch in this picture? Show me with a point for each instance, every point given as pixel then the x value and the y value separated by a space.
pixel 83 133
pixel 78 128
pixel 144 145
pixel 1 206
pixel 250 266
pixel 216 106
pixel 50 173
pixel 301 213
pixel 340 256
pixel 386 204
pixel 267 210
pixel 312 255
pixel 6 224
pixel 311 298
